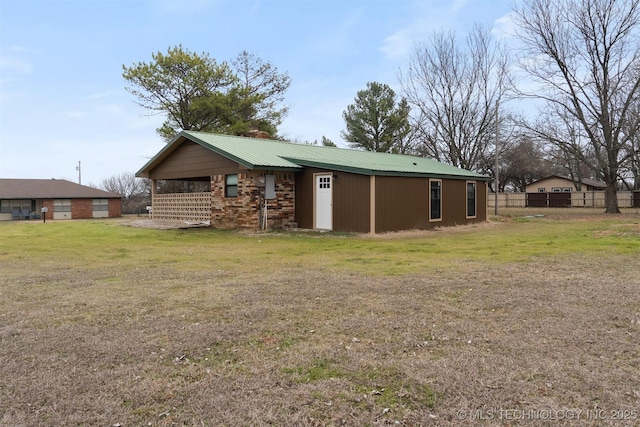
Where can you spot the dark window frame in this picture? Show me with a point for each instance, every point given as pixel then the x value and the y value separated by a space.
pixel 472 205
pixel 435 200
pixel 231 189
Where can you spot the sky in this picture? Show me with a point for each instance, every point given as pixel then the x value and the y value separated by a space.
pixel 63 103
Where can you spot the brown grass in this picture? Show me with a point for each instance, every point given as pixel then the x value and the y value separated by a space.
pixel 155 345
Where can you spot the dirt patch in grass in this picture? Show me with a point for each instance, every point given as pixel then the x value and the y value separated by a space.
pixel 162 224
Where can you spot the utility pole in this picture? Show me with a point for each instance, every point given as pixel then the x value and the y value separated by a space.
pixel 497 162
pixel 79 169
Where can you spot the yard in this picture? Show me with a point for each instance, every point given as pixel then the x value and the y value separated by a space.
pixel 523 320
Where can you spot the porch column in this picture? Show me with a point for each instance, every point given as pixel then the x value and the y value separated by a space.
pixel 154 186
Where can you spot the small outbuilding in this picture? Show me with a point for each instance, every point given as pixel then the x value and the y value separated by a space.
pixel 22 199
pixel 563 184
pixel 243 182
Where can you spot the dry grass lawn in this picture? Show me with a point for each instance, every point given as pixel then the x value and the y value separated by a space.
pixel 519 321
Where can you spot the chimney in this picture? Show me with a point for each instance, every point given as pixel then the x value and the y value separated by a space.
pixel 255 133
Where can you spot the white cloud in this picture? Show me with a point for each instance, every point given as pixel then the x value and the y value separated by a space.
pixel 15 64
pixel 16 59
pixel 183 7
pixel 114 109
pixel 102 95
pixel 458 4
pixel 504 27
pixel 427 17
pixel 13 60
pixel 339 39
pixel 75 114
pixel 399 44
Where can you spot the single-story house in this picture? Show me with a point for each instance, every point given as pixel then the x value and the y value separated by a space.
pixel 263 183
pixel 62 199
pixel 562 184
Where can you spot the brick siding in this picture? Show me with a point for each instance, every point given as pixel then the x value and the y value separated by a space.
pixel 115 208
pixel 83 208
pixel 243 211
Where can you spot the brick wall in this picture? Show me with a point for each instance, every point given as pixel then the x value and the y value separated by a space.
pixel 243 211
pixel 81 208
pixel 115 208
pixel 48 203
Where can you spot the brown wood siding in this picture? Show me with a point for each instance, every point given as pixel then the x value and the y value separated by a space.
pixel 191 160
pixel 304 198
pixel 351 199
pixel 454 202
pixel 350 193
pixel 481 206
pixel 402 203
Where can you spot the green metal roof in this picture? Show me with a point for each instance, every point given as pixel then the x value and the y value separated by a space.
pixel 255 153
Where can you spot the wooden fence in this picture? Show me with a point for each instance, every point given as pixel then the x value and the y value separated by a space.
pixel 582 199
pixel 182 206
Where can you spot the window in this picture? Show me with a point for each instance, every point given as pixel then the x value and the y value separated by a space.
pixel 542 190
pixel 435 201
pixel 231 186
pixel 7 206
pixel 324 182
pixel 566 189
pixel 62 205
pixel 556 189
pixel 471 199
pixel 101 205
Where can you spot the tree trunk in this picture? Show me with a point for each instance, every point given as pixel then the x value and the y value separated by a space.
pixel 611 198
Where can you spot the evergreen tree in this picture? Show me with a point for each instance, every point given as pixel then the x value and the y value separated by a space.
pixel 377 121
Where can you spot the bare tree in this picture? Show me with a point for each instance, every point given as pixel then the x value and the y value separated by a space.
pixel 136 191
pixel 522 163
pixel 455 92
pixel 560 135
pixel 125 184
pixel 584 56
pixel 631 169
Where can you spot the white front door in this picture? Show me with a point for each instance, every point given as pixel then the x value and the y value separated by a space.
pixel 323 202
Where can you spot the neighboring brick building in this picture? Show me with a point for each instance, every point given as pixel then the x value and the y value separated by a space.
pixel 25 198
pixel 255 183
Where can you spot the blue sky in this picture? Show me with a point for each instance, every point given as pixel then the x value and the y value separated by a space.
pixel 62 96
